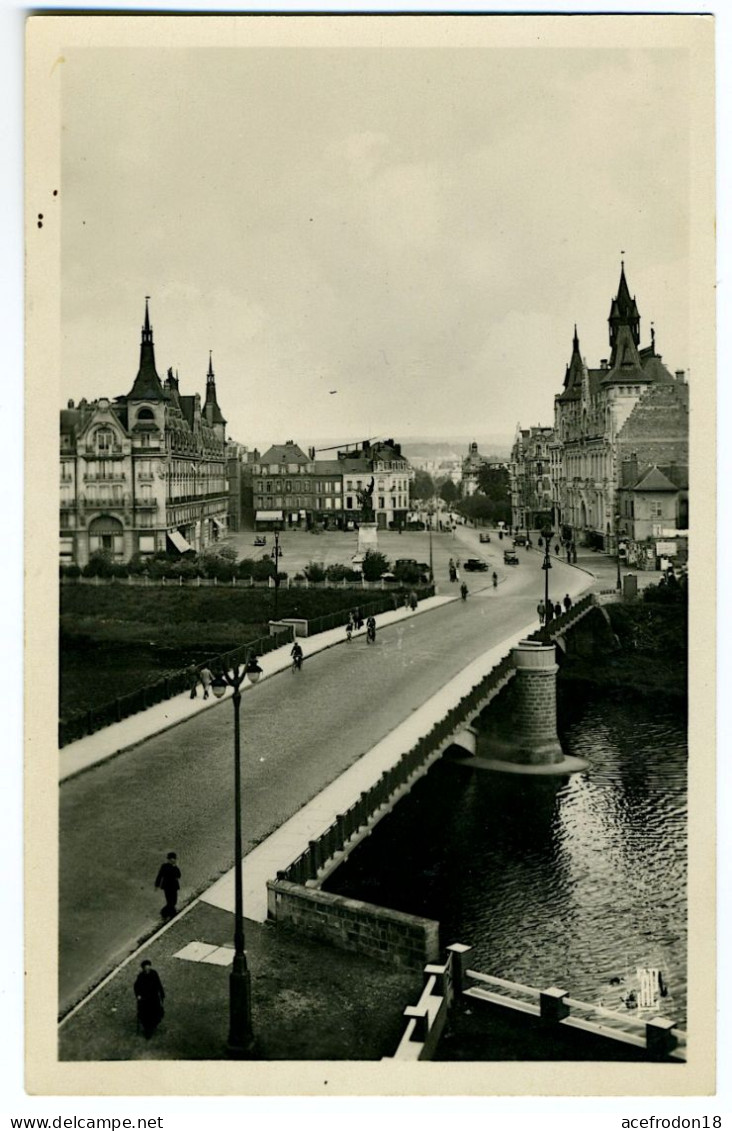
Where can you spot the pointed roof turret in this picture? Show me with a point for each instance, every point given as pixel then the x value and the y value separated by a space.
pixel 574 372
pixel 211 408
pixel 147 385
pixel 623 312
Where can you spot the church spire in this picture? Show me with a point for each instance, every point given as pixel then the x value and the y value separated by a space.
pixel 147 383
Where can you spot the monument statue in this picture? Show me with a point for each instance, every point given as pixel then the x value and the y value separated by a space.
pixel 366 502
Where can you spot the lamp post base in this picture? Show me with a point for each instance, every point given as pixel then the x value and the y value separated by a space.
pixel 241 1038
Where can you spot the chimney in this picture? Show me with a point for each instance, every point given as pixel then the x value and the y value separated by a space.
pixel 311 453
pixel 681 376
pixel 630 467
pixel 603 363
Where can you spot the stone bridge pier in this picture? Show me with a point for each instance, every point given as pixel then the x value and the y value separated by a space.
pixel 535 740
pixel 517 731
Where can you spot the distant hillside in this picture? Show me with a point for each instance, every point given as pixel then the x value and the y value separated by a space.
pixel 496 446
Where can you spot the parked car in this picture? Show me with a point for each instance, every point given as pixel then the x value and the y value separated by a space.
pixel 485 536
pixel 260 540
pixel 475 565
pixel 510 557
pixel 519 540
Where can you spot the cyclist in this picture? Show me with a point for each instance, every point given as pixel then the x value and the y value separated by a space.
pixel 297 656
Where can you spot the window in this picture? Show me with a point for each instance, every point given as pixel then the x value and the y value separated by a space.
pixel 337 488
pixel 381 502
pixel 288 485
pixel 329 504
pixel 349 503
pixel 104 439
pixel 656 508
pixel 268 487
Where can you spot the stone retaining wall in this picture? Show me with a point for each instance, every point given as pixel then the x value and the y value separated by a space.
pixel 379 932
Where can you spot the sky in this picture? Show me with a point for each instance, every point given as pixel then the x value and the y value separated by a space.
pixel 372 242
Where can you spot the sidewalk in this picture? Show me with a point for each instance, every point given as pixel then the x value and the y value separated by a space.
pixel 309 1002
pixel 111 740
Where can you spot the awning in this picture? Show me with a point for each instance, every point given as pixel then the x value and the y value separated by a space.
pixel 268 516
pixel 179 541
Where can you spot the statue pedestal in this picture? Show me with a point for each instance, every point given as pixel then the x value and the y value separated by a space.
pixel 367 537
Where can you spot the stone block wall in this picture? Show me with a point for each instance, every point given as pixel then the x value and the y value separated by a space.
pixel 378 932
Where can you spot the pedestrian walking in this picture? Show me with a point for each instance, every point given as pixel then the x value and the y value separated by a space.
pixel 349 628
pixel 567 602
pixel 541 610
pixel 557 610
pixel 413 600
pixel 193 681
pixel 556 549
pixel 168 878
pixel 150 996
pixel 549 615
pixel 358 619
pixel 205 675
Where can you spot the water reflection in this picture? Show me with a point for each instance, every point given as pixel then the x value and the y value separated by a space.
pixel 567 881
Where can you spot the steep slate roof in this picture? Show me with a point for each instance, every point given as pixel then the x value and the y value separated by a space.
pixel 147 385
pixel 285 453
pixel 655 480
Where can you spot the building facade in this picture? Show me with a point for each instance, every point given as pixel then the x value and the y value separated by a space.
pixel 144 472
pixel 531 471
pixel 631 404
pixel 392 474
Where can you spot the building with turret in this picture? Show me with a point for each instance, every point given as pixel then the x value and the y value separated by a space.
pixel 143 472
pixel 630 410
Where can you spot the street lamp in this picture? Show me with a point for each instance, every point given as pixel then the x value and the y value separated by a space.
pixel 241 1036
pixel 276 556
pixel 546 565
pixel 618 582
pixel 430 520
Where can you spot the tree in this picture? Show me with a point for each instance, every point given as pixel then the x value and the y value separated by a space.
pixel 315 571
pixel 449 492
pixel 493 482
pixel 374 564
pixel 422 486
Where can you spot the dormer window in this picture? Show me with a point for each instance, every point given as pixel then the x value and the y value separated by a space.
pixel 146 414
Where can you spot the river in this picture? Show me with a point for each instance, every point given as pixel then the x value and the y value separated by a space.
pixel 569 881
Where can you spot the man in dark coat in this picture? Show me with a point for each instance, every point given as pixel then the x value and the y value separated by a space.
pixel 168 878
pixel 567 602
pixel 150 995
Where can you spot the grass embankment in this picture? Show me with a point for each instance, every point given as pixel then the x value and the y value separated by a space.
pixel 652 656
pixel 116 639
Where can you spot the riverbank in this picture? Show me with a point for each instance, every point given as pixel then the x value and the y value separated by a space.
pixel 650 658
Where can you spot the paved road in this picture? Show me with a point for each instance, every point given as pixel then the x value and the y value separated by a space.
pixel 299 731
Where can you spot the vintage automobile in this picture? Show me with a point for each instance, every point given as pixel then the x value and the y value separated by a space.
pixel 484 536
pixel 260 540
pixel 520 540
pixel 475 565
pixel 510 557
